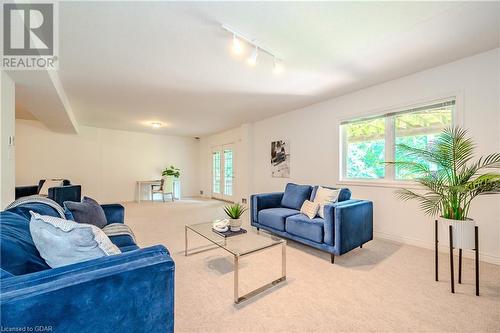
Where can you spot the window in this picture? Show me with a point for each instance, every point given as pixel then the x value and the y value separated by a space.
pixel 365 147
pixel 216 168
pixel 367 143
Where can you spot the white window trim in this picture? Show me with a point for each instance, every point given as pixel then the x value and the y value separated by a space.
pixel 389 179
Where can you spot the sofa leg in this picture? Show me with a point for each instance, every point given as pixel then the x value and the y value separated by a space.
pixel 361 246
pixel 332 257
pixel 258 228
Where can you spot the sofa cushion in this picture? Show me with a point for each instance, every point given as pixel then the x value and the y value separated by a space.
pixel 295 195
pixel 17 250
pixel 345 193
pixel 301 226
pixel 62 242
pixel 275 217
pixel 87 211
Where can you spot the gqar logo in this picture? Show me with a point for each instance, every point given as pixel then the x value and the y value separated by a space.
pixel 29 36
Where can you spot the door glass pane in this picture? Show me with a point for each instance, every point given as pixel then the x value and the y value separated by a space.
pixel 365 149
pixel 216 172
pixel 228 172
pixel 419 129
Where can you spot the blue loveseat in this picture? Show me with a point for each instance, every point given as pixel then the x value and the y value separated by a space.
pixel 129 292
pixel 348 223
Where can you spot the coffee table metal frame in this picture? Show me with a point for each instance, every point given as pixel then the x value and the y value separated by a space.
pixel 237 298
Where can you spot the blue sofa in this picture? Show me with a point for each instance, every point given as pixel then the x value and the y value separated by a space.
pixel 129 292
pixel 348 223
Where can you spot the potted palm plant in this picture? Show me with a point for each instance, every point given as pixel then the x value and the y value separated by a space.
pixel 234 212
pixel 453 181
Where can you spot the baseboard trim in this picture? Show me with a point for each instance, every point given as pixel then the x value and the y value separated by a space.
pixel 491 259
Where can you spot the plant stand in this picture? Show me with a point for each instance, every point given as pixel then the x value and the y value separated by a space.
pixel 452 273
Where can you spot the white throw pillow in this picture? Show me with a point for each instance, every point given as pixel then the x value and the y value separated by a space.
pixel 63 242
pixel 49 183
pixel 325 196
pixel 309 208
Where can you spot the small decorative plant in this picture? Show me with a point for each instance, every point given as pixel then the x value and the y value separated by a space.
pixel 449 187
pixel 234 212
pixel 171 171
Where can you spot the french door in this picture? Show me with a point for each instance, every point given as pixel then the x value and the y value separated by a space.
pixel 223 172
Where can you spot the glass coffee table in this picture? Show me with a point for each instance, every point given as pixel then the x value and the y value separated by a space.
pixel 240 246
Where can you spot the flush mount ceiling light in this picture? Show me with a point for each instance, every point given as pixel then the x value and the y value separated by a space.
pixel 238 49
pixel 156 124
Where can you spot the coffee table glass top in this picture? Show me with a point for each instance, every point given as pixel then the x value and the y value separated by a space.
pixel 238 245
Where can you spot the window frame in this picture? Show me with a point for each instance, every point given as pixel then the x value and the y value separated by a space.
pixel 390 140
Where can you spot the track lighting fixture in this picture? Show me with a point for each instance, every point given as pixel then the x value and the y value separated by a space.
pixel 238 47
pixel 252 60
pixel 277 66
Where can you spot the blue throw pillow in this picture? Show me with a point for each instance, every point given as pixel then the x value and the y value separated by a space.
pixel 295 195
pixel 62 242
pixel 88 211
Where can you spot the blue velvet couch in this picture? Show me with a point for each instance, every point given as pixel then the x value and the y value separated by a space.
pixel 348 223
pixel 129 292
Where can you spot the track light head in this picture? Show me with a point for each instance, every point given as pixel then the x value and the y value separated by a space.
pixel 237 45
pixel 278 66
pixel 252 60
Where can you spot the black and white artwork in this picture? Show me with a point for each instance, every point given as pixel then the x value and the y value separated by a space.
pixel 280 159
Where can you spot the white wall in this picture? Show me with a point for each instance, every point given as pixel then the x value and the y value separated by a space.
pixel 105 162
pixel 240 138
pixel 313 134
pixel 7 150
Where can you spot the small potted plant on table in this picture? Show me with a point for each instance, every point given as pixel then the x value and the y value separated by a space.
pixel 234 212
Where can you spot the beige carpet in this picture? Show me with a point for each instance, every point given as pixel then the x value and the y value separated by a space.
pixel 384 287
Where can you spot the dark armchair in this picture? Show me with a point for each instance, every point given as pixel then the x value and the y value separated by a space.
pixel 66 192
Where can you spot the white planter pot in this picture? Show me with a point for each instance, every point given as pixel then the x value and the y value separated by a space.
pixel 235 224
pixel 463 232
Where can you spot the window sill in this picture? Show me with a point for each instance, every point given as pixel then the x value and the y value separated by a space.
pixel 380 183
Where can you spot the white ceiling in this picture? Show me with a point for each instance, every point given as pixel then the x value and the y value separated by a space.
pixel 124 64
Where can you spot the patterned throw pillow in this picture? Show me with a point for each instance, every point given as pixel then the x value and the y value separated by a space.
pixel 309 208
pixel 325 196
pixel 62 242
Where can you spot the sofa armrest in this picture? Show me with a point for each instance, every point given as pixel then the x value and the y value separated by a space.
pixel 24 191
pixel 348 224
pixel 61 194
pixel 115 213
pixel 130 292
pixel 262 201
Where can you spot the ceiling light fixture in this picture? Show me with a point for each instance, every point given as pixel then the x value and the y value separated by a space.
pixel 156 124
pixel 238 48
pixel 252 60
pixel 237 45
pixel 278 66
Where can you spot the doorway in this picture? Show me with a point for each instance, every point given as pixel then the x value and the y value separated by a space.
pixel 223 172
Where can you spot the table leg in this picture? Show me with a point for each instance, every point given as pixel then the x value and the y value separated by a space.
pixel 283 260
pixel 185 241
pixel 236 278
